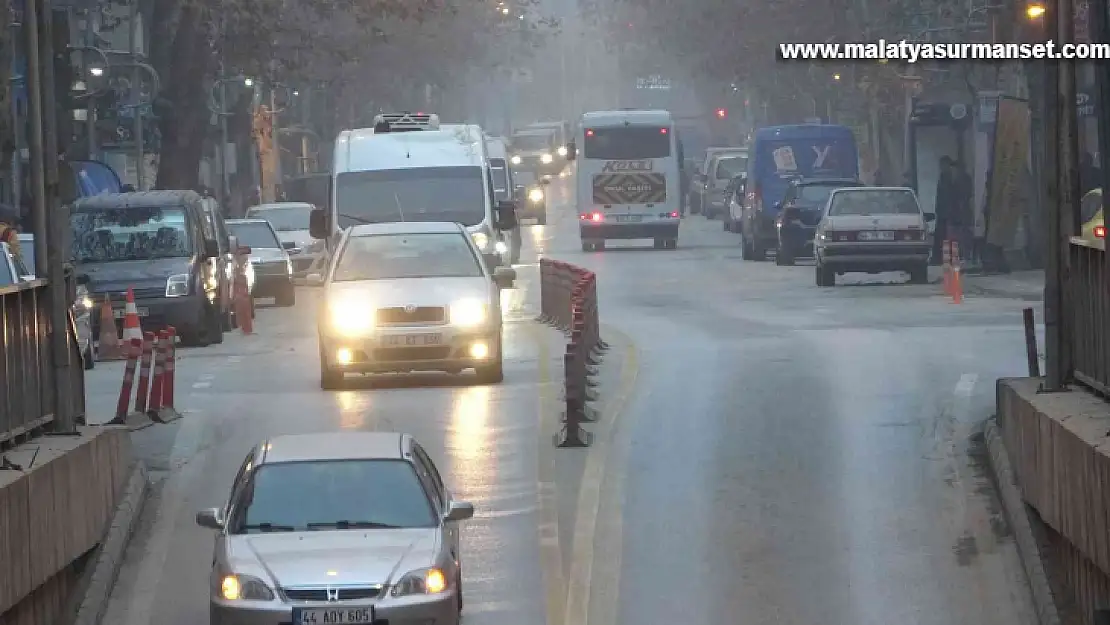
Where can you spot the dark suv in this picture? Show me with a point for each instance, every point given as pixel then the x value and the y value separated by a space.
pixel 799 214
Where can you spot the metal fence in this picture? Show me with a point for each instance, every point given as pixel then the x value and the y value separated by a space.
pixel 1089 295
pixel 27 400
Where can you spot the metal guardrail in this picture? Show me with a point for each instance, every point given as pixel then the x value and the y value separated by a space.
pixel 27 401
pixel 1089 294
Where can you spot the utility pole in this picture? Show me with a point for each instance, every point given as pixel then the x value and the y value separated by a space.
pixel 306 119
pixel 225 186
pixel 1056 370
pixel 90 100
pixel 1100 31
pixel 136 95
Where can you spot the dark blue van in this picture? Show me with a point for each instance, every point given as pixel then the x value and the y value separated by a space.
pixel 779 154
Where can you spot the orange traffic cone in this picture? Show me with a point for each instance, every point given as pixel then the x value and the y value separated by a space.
pixel 131 328
pixel 108 347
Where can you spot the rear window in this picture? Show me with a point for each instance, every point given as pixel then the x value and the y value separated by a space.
pixel 254 234
pixel 500 178
pixel 731 166
pixel 792 158
pixel 819 193
pixel 867 203
pixel 627 144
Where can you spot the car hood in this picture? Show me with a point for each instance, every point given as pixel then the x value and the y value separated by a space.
pixel 530 153
pixel 301 238
pixel 336 557
pixel 267 255
pixel 113 277
pixel 874 222
pixel 416 291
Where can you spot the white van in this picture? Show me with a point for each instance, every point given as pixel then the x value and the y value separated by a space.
pixel 410 168
pixel 628 183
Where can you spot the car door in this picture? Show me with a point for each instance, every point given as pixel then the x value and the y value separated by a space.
pixel 434 483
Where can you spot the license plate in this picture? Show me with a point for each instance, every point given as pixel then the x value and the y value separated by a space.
pixel 338 616
pixel 412 340
pixel 882 235
pixel 119 312
pixel 628 218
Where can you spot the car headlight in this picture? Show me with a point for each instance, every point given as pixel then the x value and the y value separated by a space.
pixel 562 151
pixel 535 195
pixel 177 286
pixel 244 588
pixel 545 158
pixel 516 160
pixel 83 301
pixel 428 581
pixel 468 313
pixel 481 239
pixel 351 317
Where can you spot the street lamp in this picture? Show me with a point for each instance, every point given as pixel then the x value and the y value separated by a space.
pixel 248 82
pixel 96 71
pixel 1034 10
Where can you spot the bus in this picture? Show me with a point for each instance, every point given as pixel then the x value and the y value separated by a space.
pixel 628 178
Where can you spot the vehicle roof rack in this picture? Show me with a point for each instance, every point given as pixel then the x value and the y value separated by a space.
pixel 405 122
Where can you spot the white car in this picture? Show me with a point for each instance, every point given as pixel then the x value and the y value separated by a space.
pixel 411 296
pixel 872 230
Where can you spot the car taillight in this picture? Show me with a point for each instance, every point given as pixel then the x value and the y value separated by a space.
pixel 591 216
pixel 1100 232
pixel 911 235
pixel 674 214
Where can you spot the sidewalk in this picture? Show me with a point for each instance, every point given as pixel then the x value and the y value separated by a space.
pixel 1023 285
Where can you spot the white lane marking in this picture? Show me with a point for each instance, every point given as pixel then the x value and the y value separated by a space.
pixel 202 385
pixel 234 359
pixel 966 384
pixel 206 377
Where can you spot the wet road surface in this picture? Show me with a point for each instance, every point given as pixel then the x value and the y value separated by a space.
pixel 786 455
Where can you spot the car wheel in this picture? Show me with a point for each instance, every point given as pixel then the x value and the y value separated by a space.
pixel 587 247
pixel 919 274
pixel 783 257
pixel 759 253
pixel 670 244
pixel 493 373
pixel 726 225
pixel 215 325
pixel 541 220
pixel 287 297
pixel 87 357
pixel 825 276
pixel 745 249
pixel 330 379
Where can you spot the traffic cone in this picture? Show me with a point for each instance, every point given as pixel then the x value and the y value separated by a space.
pixel 131 328
pixel 108 347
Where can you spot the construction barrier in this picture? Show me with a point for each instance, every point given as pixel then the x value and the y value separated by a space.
pixel 154 358
pixel 953 282
pixel 108 347
pixel 568 301
pixel 244 303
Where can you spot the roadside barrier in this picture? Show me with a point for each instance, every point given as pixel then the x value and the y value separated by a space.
pixel 131 328
pixel 244 304
pixel 108 347
pixel 154 357
pixel 568 301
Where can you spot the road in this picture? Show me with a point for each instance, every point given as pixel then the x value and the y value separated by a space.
pixel 769 452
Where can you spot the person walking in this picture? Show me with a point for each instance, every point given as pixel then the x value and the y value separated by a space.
pixel 961 222
pixel 942 207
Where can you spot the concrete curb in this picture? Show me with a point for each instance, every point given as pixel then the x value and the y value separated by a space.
pixel 109 555
pixel 1024 536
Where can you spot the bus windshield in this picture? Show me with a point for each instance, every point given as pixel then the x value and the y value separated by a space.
pixel 627 143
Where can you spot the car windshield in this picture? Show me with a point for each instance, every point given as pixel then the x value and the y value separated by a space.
pixel 335 494
pixel 874 203
pixel 394 256
pixel 417 194
pixel 629 143
pixel 254 234
pixel 1088 206
pixel 132 233
pixel 284 219
pixel 818 193
pixel 500 178
pixel 731 166
pixel 531 142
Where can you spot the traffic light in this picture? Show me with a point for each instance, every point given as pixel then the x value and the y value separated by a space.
pixel 722 113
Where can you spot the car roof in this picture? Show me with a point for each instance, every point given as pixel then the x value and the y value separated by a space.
pixel 603 119
pixel 279 205
pixel 870 189
pixel 343 445
pixel 453 145
pixel 250 220
pixel 138 199
pixel 406 227
pixel 801 182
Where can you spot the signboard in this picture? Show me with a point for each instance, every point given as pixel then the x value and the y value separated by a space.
pixel 654 82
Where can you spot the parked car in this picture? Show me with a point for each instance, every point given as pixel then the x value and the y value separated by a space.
pixel 273 270
pixel 799 213
pixel 290 222
pixel 16 269
pixel 215 228
pixel 872 230
pixel 154 243
pixel 704 180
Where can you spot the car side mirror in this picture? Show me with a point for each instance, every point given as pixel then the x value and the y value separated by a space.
pixel 288 245
pixel 506 215
pixel 504 277
pixel 243 250
pixel 930 217
pixel 318 224
pixel 212 519
pixel 572 151
pixel 211 248
pixel 545 181
pixel 81 279
pixel 777 206
pixel 314 279
pixel 459 511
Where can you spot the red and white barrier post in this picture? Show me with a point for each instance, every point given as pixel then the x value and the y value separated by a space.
pixel 159 377
pixel 124 402
pixel 169 411
pixel 143 392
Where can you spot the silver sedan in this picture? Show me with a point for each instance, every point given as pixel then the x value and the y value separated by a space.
pixel 352 528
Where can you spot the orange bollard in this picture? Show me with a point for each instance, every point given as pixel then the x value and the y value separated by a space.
pixel 243 303
pixel 946 249
pixel 957 287
pixel 108 346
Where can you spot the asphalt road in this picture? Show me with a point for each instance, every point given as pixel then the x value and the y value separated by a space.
pixel 786 454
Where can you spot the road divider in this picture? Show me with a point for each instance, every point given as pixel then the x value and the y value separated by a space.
pixel 154 357
pixel 569 302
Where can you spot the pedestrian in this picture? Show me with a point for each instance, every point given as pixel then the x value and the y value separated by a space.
pixel 961 217
pixel 9 230
pixel 1090 174
pixel 942 207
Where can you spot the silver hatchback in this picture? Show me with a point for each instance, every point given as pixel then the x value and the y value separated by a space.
pixel 352 528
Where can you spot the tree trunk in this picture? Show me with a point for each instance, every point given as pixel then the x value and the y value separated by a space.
pixel 185 122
